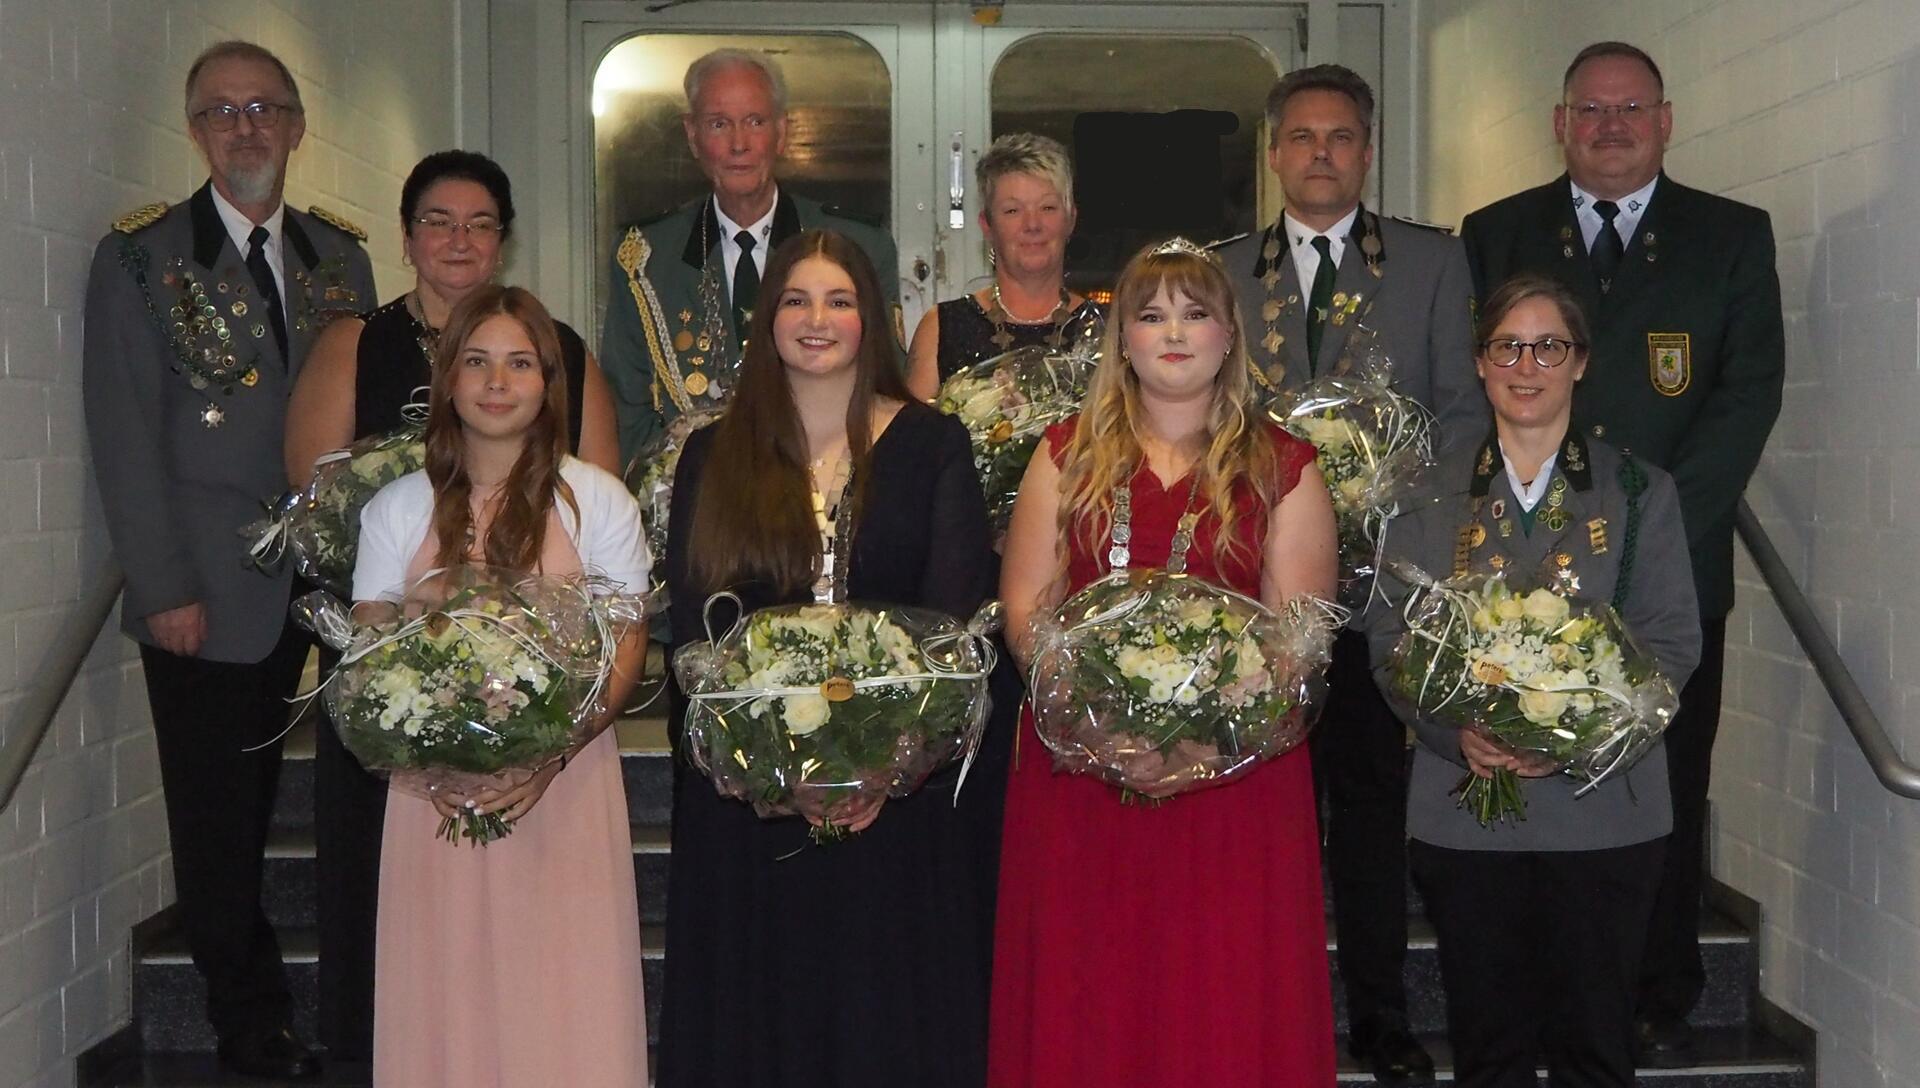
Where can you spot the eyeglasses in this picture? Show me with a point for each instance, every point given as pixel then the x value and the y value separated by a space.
pixel 1626 111
pixel 1548 351
pixel 444 228
pixel 264 115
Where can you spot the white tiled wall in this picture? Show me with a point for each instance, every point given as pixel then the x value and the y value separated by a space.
pixel 91 126
pixel 1811 110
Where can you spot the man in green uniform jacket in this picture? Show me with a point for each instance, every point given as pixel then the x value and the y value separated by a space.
pixel 682 286
pixel 1688 363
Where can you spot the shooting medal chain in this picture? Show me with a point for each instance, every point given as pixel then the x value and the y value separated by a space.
pixel 1120 554
pixel 833 517
pixel 1000 315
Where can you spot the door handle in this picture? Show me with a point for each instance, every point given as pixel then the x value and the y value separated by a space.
pixel 957 185
pixel 921 269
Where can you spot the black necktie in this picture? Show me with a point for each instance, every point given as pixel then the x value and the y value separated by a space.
pixel 269 291
pixel 746 285
pixel 1607 247
pixel 1320 299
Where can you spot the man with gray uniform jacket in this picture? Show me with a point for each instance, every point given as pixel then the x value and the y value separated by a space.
pixel 1308 285
pixel 197 319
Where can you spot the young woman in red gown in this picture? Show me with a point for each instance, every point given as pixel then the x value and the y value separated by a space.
pixel 1182 943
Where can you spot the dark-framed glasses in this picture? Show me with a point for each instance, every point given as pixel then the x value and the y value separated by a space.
pixel 264 115
pixel 1626 111
pixel 445 227
pixel 1548 351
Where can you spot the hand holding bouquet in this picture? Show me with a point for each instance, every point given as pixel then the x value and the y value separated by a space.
pixel 476 679
pixel 1371 444
pixel 1007 402
pixel 649 477
pixel 1538 673
pixel 320 525
pixel 1163 683
pixel 823 710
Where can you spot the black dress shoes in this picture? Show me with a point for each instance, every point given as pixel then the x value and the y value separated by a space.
pixel 1394 1057
pixel 272 1054
pixel 1662 1042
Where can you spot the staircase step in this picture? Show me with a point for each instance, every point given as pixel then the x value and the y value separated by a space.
pixel 169 998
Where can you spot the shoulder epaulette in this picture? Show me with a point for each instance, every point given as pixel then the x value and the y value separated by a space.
pixel 1229 240
pixel 337 222
pixel 1435 227
pixel 841 212
pixel 646 221
pixel 141 218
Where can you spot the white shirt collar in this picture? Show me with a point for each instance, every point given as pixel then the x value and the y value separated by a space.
pixel 1529 495
pixel 761 228
pixel 240 228
pixel 1300 236
pixel 1632 207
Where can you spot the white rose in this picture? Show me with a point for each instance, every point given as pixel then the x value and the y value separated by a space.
pixel 1546 608
pixel 1543 707
pixel 804 713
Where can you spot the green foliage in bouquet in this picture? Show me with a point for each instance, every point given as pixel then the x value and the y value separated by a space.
pixel 811 709
pixel 1007 403
pixel 1538 672
pixel 1159 683
pixel 324 533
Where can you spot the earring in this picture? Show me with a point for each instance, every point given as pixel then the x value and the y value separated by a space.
pixel 406 259
pixel 993 256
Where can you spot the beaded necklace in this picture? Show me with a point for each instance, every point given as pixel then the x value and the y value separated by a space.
pixel 999 315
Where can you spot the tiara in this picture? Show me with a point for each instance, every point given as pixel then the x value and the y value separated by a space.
pixel 1177 244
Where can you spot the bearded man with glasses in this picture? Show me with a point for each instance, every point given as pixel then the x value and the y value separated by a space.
pixel 198 317
pixel 1687 363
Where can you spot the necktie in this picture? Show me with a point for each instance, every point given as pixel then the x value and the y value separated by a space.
pixel 1320 299
pixel 269 291
pixel 746 285
pixel 1607 247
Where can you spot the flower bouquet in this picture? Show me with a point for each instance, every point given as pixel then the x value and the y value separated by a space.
pixel 320 525
pixel 1163 683
pixel 476 678
pixel 1371 444
pixel 1538 672
pixel 649 477
pixel 820 710
pixel 1007 402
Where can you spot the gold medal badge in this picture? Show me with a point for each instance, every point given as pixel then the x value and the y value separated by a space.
pixel 1670 362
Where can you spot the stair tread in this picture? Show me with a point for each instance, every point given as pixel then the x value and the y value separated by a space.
pixel 1722 1051
pixel 301 944
pixel 298 842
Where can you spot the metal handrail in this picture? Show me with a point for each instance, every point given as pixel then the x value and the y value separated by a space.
pixel 1893 772
pixel 34 714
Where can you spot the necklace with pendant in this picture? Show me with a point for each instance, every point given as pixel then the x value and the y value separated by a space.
pixel 427 335
pixel 1000 315
pixel 831 516
pixel 1120 553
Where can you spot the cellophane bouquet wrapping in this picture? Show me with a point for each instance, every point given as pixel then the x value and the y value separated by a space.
pixel 1538 671
pixel 319 526
pixel 1162 683
pixel 820 710
pixel 1372 444
pixel 473 678
pixel 649 477
pixel 1007 403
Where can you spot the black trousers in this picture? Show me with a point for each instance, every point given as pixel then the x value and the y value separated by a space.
pixel 1537 956
pixel 219 797
pixel 1360 772
pixel 350 811
pixel 1671 974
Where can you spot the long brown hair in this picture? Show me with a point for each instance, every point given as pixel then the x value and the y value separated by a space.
pixel 753 518
pixel 518 530
pixel 1105 451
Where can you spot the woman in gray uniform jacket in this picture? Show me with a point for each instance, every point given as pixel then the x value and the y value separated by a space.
pixel 1540 923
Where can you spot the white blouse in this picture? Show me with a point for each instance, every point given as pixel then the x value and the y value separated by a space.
pixel 607 533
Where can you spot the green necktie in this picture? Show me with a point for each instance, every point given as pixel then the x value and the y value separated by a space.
pixel 1319 301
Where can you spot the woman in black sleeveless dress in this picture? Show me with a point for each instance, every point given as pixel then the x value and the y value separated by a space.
pixel 1027 216
pixel 456 209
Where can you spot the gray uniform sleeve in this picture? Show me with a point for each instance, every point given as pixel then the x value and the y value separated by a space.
pixel 1661 609
pixel 1459 398
pixel 123 363
pixel 626 365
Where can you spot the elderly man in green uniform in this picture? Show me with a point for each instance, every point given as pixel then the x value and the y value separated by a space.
pixel 682 287
pixel 1308 285
pixel 1688 363
pixel 198 317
